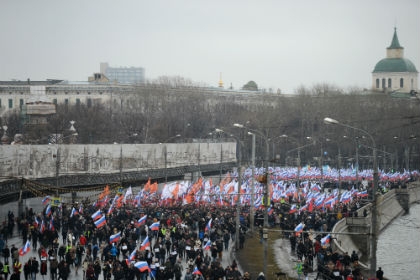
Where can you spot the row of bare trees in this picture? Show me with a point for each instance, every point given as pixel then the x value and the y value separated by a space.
pixel 155 114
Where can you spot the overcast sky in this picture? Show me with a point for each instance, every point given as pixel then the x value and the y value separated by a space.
pixel 278 44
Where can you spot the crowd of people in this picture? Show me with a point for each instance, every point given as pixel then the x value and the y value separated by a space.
pixel 174 241
pixel 189 242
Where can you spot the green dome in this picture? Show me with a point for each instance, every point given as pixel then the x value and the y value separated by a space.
pixel 395 65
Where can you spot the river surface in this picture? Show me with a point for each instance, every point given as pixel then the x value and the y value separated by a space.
pixel 399 247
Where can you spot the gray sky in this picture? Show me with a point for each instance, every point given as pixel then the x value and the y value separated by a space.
pixel 278 44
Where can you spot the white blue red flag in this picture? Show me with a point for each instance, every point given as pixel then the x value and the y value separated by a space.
pixel 155 226
pixel 196 271
pixel 46 199
pixel 145 244
pixel 293 209
pixel 73 212
pixel 48 210
pixel 142 221
pixel 208 226
pixel 52 228
pixel 299 227
pixel 42 227
pixel 132 256
pixel 142 266
pixel 207 246
pixel 325 240
pixel 23 251
pixel 115 237
pixel 101 222
pixel 97 215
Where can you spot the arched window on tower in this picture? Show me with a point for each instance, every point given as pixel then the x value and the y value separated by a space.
pixel 377 83
pixel 383 83
pixel 389 83
pixel 401 83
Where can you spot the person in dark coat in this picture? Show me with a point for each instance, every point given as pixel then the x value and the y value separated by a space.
pixel 63 270
pixel 380 274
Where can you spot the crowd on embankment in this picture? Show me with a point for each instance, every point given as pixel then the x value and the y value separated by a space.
pixel 123 238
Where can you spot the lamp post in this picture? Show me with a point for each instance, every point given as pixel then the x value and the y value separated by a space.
pixel 237 227
pixel 374 216
pixel 252 204
pixel 266 191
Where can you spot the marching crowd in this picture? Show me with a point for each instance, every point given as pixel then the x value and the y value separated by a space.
pixel 189 242
pixel 161 242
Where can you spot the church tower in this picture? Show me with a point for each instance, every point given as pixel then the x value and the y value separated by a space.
pixel 395 73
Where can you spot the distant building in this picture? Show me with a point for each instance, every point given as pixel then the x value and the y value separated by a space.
pixel 395 73
pixel 98 78
pixel 123 75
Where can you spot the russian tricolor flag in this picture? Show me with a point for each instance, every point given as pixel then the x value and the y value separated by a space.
pixel 111 208
pixel 97 215
pixel 142 266
pixel 132 256
pixel 207 246
pixel 73 212
pixel 293 209
pixel 46 199
pixel 101 222
pixel 208 226
pixel 142 221
pixel 196 271
pixel 363 194
pixel 299 227
pixel 115 237
pixel 23 251
pixel 42 227
pixel 155 226
pixel 270 211
pixel 325 240
pixel 145 244
pixel 52 228
pixel 48 210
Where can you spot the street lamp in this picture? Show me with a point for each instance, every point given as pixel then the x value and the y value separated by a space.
pixel 252 204
pixel 238 142
pixel 266 191
pixel 374 217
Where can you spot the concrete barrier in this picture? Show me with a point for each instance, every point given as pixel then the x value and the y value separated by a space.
pixel 353 233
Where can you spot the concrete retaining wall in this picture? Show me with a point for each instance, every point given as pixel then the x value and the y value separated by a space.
pixel 40 161
pixel 350 231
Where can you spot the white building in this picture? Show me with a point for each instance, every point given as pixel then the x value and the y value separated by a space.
pixel 395 73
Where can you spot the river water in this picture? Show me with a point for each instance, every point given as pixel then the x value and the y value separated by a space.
pixel 399 247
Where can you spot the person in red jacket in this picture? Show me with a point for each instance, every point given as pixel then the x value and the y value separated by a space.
pixel 82 240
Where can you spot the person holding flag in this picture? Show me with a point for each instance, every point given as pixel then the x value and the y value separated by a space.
pixel 100 222
pixel 142 266
pixel 299 228
pixel 97 215
pixel 326 240
pixel 115 238
pixel 23 251
pixel 141 221
pixel 145 244
pixel 208 225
